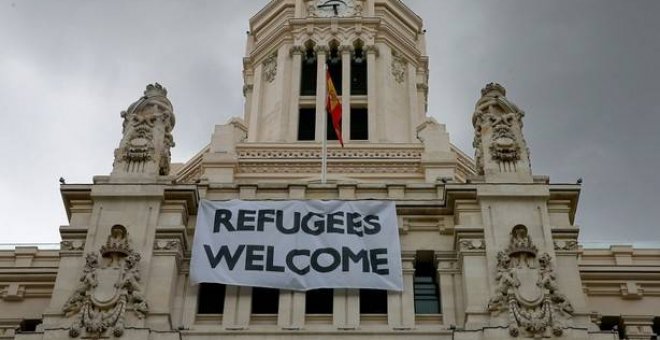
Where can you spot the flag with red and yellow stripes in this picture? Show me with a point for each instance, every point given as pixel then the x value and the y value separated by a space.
pixel 333 106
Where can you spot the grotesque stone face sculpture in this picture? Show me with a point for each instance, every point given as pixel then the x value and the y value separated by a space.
pixel 498 140
pixel 528 290
pixel 145 147
pixel 107 288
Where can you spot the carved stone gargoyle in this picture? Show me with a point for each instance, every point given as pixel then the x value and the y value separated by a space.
pixel 108 287
pixel 527 288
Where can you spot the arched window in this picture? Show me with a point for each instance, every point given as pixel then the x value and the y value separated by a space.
pixel 308 71
pixel 359 70
pixel 334 65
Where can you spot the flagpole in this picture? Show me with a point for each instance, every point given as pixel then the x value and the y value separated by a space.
pixel 324 148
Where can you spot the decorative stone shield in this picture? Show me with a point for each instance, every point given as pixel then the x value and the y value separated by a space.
pixel 527 288
pixel 100 301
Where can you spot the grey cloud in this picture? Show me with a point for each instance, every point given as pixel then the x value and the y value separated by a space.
pixel 584 72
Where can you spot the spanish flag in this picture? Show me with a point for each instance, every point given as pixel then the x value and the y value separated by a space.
pixel 333 106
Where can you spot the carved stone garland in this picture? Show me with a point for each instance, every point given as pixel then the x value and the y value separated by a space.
pixel 108 287
pixel 527 288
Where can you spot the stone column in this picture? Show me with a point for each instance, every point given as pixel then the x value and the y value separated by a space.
pixel 238 306
pixel 446 272
pixel 294 92
pixel 401 305
pixel 346 309
pixel 346 92
pixel 292 310
pixel 321 56
pixel 374 132
pixel 638 326
pixel 255 106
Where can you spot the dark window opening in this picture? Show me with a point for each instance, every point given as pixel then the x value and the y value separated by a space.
pixel 265 300
pixel 319 301
pixel 427 296
pixel 373 301
pixel 614 324
pixel 29 325
pixel 656 327
pixel 306 124
pixel 359 124
pixel 308 73
pixel 334 68
pixel 358 73
pixel 211 298
pixel 330 129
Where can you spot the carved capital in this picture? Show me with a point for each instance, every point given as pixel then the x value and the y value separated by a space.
pixel 565 245
pixel 472 245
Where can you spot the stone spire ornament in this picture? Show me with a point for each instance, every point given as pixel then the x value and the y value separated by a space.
pixel 144 150
pixel 501 152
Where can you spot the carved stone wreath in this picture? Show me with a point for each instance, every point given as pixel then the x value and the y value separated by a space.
pixel 527 288
pixel 108 287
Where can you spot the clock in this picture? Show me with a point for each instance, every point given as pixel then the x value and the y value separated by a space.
pixel 335 8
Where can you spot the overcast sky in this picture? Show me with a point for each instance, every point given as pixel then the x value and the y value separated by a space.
pixel 586 73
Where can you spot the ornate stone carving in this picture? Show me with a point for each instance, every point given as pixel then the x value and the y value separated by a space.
pixel 298 153
pixel 399 66
pixel 527 288
pixel 498 129
pixel 270 68
pixel 472 245
pixel 108 287
pixel 72 245
pixel 566 245
pixel 147 139
pixel 166 245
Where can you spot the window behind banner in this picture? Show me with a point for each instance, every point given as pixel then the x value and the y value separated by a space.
pixel 265 300
pixel 427 297
pixel 211 298
pixel 373 301
pixel 319 301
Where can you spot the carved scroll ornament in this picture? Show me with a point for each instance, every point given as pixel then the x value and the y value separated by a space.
pixel 527 288
pixel 108 287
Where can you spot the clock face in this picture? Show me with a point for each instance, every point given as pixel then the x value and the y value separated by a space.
pixel 335 8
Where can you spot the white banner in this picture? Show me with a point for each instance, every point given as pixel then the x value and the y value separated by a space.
pixel 298 245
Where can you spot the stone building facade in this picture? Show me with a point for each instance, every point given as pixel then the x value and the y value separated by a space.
pixel 489 249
